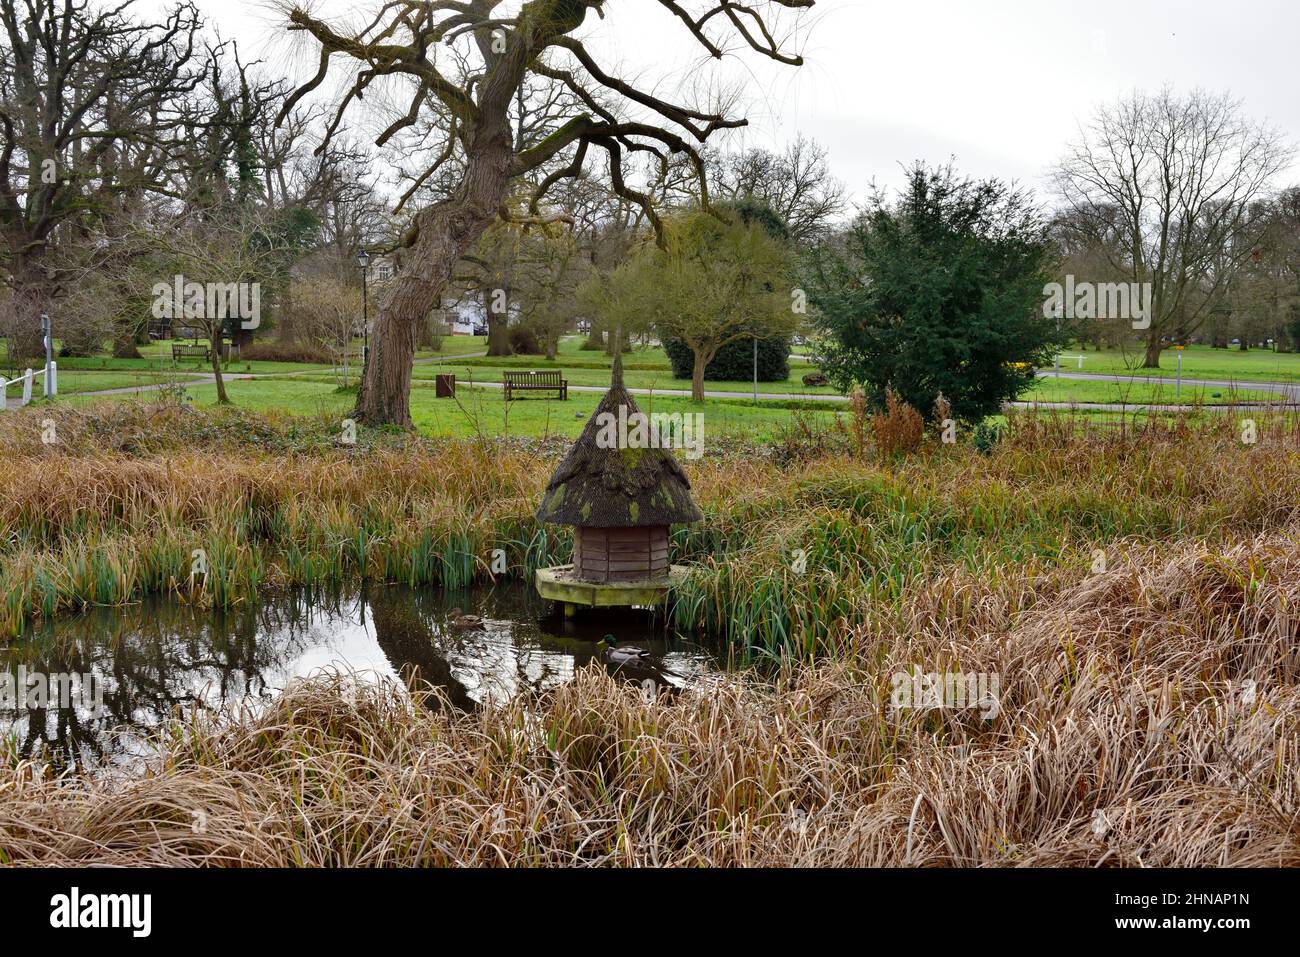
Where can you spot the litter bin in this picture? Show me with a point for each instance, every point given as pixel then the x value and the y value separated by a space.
pixel 444 386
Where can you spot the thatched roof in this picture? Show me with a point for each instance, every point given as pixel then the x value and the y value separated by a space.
pixel 617 487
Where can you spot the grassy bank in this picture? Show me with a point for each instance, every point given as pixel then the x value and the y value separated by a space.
pixel 1135 591
pixel 799 537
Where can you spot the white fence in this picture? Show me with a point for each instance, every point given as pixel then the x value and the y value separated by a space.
pixel 51 384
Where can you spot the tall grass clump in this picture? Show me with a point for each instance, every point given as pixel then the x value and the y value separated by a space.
pixel 197 505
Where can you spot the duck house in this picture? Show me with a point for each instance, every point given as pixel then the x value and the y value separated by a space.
pixel 620 487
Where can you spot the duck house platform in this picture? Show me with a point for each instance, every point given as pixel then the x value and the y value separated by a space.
pixel 558 583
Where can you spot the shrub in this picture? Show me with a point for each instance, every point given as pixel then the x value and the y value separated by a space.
pixel 987 435
pixel 898 429
pixel 954 301
pixel 436 333
pixel 735 361
pixel 523 340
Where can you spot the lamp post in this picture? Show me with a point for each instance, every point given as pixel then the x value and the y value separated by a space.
pixel 1057 310
pixel 363 260
pixel 47 336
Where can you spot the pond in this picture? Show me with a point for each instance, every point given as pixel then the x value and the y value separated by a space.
pixel 146 661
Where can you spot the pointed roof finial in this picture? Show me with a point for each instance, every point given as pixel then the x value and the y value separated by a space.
pixel 616 379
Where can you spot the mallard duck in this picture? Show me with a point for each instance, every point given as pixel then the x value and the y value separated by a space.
pixel 460 620
pixel 613 654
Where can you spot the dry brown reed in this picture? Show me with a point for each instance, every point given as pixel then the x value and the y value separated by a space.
pixel 1147 718
pixel 1136 591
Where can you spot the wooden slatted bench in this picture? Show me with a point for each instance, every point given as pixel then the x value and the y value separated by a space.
pixel 192 352
pixel 534 381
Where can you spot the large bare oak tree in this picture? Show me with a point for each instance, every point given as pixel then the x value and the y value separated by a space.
pixel 465 62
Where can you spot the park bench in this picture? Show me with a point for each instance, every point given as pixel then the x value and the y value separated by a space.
pixel 534 381
pixel 192 352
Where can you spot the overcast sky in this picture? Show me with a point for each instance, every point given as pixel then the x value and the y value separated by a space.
pixel 1000 85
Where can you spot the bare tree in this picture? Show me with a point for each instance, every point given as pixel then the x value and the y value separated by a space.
pixel 796 183
pixel 466 62
pixel 217 259
pixel 326 311
pixel 1266 294
pixel 86 101
pixel 1165 183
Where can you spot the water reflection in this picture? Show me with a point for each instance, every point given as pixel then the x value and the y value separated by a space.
pixel 154 658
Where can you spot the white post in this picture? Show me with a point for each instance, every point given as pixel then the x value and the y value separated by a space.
pixel 47 331
pixel 1081 360
pixel 4 392
pixel 52 379
pixel 27 387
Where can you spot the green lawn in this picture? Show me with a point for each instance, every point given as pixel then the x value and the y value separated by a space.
pixel 308 389
pixel 455 346
pixel 1199 362
pixel 1051 389
pixel 643 368
pixel 72 381
pixel 155 361
pixel 315 393
pixel 484 411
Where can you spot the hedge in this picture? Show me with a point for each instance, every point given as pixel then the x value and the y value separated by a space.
pixel 734 361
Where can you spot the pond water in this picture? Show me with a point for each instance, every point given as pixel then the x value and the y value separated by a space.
pixel 148 660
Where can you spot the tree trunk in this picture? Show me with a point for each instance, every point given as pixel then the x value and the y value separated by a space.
pixel 1152 358
pixel 446 231
pixel 595 339
pixel 286 322
pixel 126 336
pixel 697 375
pixel 498 339
pixel 214 342
pixel 31 298
pixel 124 345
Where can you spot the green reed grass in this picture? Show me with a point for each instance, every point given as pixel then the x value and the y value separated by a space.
pixel 792 546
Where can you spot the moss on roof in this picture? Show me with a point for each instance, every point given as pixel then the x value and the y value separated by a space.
pixel 617 487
